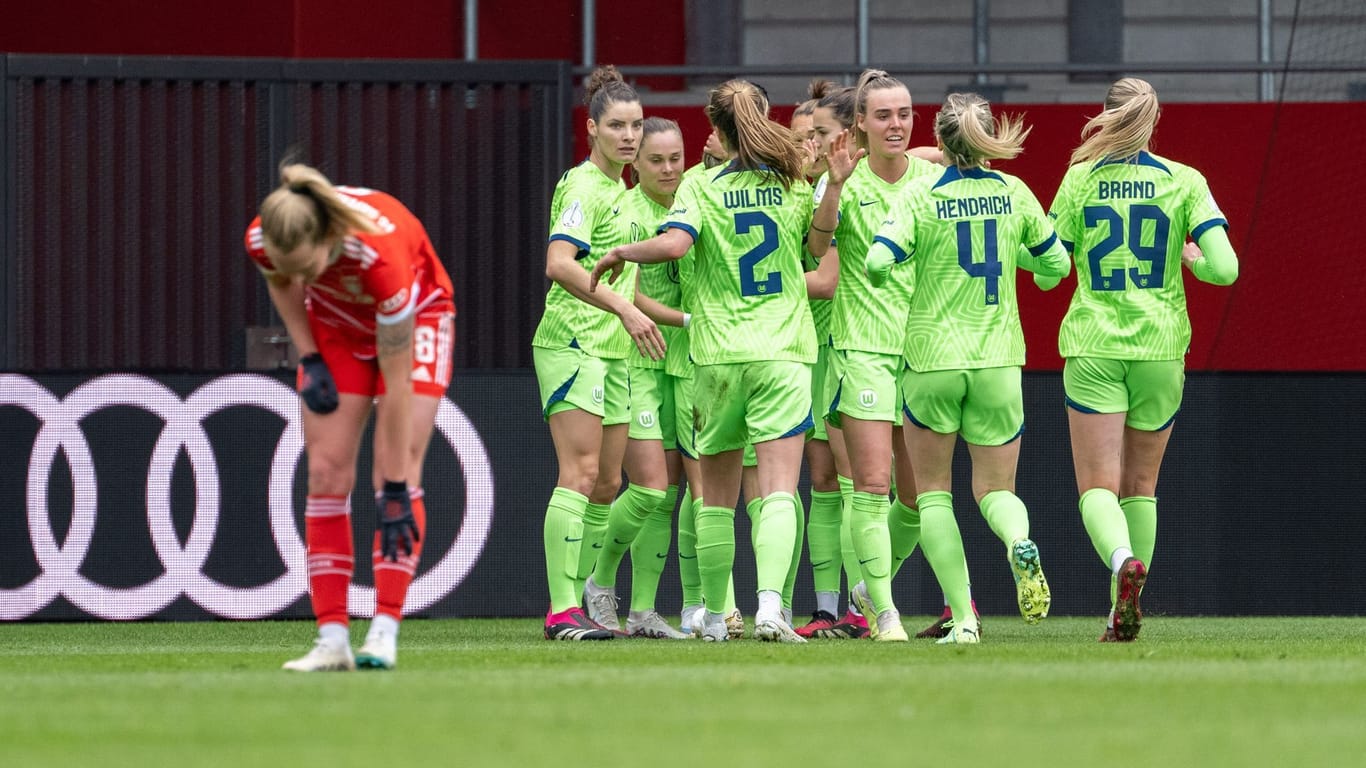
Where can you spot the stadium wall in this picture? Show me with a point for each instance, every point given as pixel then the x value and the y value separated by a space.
pixel 106 514
pixel 1296 305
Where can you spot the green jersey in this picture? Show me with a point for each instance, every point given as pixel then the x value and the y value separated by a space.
pixel 863 318
pixel 1126 221
pixel 586 212
pixel 960 232
pixel 749 299
pixel 658 281
pixel 678 358
pixel 820 308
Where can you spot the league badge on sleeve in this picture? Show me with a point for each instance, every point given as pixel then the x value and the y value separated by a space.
pixel 572 217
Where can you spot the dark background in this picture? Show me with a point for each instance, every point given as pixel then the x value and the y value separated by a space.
pixel 1258 504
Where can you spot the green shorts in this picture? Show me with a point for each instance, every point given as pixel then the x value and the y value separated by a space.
pixel 866 386
pixel 569 378
pixel 684 434
pixel 984 405
pixel 652 406
pixel 1149 391
pixel 820 393
pixel 740 403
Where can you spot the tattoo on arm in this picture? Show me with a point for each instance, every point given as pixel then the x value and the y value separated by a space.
pixel 391 339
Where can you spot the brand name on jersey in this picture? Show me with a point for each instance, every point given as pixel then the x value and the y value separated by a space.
pixel 989 205
pixel 1127 189
pixel 394 303
pixel 753 198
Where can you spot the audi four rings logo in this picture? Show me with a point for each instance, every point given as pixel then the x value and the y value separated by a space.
pixel 183 430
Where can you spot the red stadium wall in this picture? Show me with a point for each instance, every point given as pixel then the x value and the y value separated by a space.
pixel 345 29
pixel 1295 306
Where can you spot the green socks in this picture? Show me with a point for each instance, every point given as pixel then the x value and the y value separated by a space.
pixel 1140 516
pixel 903 527
pixel 595 518
pixel 852 572
pixel 563 537
pixel 626 517
pixel 796 559
pixel 688 576
pixel 1105 523
pixel 774 532
pixel 823 539
pixel 873 546
pixel 650 551
pixel 715 553
pixel 1006 515
pixel 943 546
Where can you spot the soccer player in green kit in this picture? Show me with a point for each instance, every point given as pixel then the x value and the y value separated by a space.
pixel 1125 213
pixel 652 457
pixel 827 531
pixel 580 350
pixel 752 340
pixel 868 333
pixel 963 231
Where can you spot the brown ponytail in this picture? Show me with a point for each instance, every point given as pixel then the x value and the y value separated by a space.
pixel 739 112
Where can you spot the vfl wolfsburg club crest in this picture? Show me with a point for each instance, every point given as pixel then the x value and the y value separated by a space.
pixel 867 398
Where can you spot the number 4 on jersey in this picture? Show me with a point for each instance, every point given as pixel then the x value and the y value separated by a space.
pixel 989 268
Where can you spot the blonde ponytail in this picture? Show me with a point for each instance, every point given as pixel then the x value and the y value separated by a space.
pixel 971 137
pixel 1125 127
pixel 306 210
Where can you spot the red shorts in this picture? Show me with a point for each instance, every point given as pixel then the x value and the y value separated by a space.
pixel 355 368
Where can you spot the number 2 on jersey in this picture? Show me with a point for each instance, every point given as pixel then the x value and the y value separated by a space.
pixel 990 266
pixel 773 282
pixel 1155 254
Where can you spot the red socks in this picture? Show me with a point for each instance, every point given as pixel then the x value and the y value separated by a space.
pixel 393 577
pixel 331 558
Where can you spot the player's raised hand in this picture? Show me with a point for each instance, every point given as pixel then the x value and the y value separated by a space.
pixel 840 161
pixel 811 160
pixel 612 261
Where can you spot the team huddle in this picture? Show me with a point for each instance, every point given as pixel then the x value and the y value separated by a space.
pixel 820 292
pixel 708 329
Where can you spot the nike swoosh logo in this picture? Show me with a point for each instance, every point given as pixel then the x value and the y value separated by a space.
pixel 686 557
pixel 663 556
pixel 597 545
pixel 571 540
pixel 865 562
pixel 862 203
pixel 615 540
pixel 822 563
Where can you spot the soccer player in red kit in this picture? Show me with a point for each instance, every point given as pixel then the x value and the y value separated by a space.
pixel 369 308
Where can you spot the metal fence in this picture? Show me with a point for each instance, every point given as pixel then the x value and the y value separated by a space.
pixel 128 184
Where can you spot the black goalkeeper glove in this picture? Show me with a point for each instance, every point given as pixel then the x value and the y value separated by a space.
pixel 317 389
pixel 396 525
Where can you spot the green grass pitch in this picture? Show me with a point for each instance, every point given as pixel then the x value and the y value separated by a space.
pixel 1191 691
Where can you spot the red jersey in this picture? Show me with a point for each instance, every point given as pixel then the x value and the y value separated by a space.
pixel 382 277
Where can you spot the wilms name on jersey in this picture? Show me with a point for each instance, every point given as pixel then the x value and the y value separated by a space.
pixel 753 198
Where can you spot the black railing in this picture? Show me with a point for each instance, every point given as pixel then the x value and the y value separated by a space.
pixel 128 184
